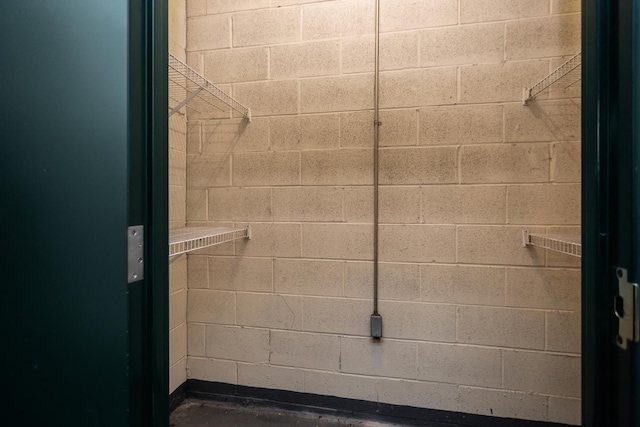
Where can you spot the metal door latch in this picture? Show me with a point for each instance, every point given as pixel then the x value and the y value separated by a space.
pixel 135 253
pixel 626 309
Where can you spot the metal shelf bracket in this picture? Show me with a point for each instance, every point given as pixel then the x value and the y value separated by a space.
pixel 569 245
pixel 566 75
pixel 188 87
pixel 187 239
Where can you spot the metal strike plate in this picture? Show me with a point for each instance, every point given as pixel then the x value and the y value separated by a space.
pixel 135 253
pixel 625 308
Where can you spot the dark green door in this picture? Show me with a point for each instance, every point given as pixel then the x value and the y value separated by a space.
pixel 81 139
pixel 611 212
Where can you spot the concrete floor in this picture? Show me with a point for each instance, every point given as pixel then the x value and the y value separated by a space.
pixel 202 413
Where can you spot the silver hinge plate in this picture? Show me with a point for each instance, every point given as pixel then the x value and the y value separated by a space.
pixel 625 308
pixel 135 255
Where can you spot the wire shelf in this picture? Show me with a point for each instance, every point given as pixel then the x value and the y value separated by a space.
pixel 188 88
pixel 564 76
pixel 187 239
pixel 570 245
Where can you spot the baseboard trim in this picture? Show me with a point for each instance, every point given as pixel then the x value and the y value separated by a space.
pixel 298 401
pixel 177 397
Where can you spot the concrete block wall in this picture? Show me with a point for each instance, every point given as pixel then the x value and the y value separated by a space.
pixel 177 209
pixel 472 321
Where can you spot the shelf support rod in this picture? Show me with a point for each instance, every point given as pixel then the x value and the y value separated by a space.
pixel 186 100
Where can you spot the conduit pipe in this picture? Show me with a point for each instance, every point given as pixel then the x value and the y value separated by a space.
pixel 376 318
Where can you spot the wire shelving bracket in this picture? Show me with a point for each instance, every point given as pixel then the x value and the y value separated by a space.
pixel 188 87
pixel 569 245
pixel 565 75
pixel 187 239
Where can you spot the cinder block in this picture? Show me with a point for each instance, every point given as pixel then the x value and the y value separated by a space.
pixel 271 240
pixel 425 165
pixel 177 167
pixel 195 339
pixel 499 163
pixel 198 271
pixel 463 204
pixel 459 284
pixel 177 374
pixel 566 162
pixel 309 277
pixel 385 358
pixel 544 373
pixel 503 403
pixel 418 394
pixel 460 125
pixel 499 82
pixel 177 203
pixel 177 343
pixel 269 26
pixel 417 88
pixel 270 311
pixel 543 121
pixel 418 243
pixel 543 37
pixel 341 385
pixel 240 344
pixel 208 32
pixel 501 327
pixel 308 204
pixel 544 204
pixel 223 371
pixel 499 10
pixel 358 204
pixel 565 411
pixel 305 132
pixel 418 321
pixel 327 20
pixel 356 129
pixel 460 45
pixel 197 201
pixel 194 136
pixel 178 275
pixel 338 316
pixel 177 140
pixel 268 98
pixel 239 204
pixel 399 205
pixel 337 167
pixel 241 274
pixel 205 306
pixel 222 6
pixel 265 169
pixel 399 127
pixel 565 6
pixel 177 308
pixel 456 364
pixel 305 59
pixel 397 51
pixel 304 350
pixel 543 288
pixel 235 135
pixel 563 332
pixel 208 170
pixel 358 280
pixel 196 7
pixel 347 92
pixel 400 15
pixel 270 377
pixel 399 282
pixel 337 241
pixel 237 65
pixel 505 243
